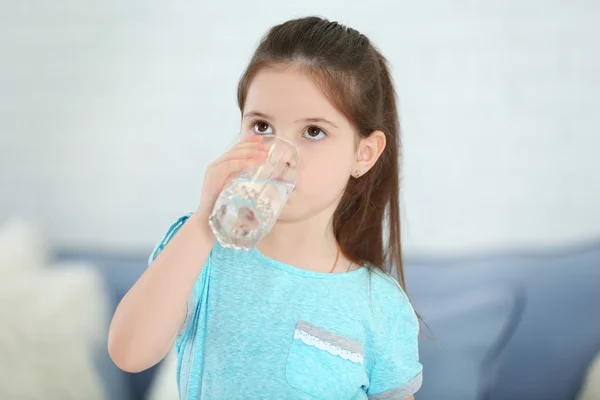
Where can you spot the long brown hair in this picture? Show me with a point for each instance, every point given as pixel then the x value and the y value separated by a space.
pixel 354 76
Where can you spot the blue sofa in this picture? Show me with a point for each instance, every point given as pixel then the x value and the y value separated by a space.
pixel 518 326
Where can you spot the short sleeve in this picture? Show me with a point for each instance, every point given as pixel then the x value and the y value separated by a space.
pixel 173 229
pixel 196 294
pixel 397 374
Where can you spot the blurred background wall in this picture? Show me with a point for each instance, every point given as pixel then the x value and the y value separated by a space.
pixel 110 112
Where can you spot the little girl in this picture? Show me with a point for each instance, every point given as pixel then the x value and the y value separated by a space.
pixel 313 311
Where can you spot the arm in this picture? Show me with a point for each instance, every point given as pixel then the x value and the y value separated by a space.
pixel 147 320
pixel 150 315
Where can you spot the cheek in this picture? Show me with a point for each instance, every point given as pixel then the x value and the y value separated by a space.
pixel 323 178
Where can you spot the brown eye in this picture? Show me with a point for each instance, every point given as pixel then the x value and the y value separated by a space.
pixel 262 127
pixel 314 133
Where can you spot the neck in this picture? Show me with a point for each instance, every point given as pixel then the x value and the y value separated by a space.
pixel 307 244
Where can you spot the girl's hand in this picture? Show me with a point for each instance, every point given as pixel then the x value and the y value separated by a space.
pixel 248 153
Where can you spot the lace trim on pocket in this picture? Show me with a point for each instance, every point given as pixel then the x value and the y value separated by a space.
pixel 311 340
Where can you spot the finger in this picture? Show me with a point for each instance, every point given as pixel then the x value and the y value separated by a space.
pixel 242 153
pixel 250 145
pixel 245 149
pixel 252 139
pixel 230 167
pixel 245 145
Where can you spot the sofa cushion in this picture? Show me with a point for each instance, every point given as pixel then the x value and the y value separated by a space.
pixel 464 335
pixel 559 332
pixel 590 389
pixel 52 321
pixel 119 272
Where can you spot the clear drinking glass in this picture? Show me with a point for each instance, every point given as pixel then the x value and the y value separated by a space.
pixel 251 202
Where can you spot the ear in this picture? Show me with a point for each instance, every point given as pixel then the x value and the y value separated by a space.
pixel 367 153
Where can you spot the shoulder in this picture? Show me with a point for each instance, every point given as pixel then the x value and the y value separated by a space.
pixel 217 252
pixel 389 298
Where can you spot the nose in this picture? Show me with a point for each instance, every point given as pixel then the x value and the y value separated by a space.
pixel 285 158
pixel 294 160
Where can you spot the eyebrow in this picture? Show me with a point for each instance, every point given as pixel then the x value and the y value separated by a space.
pixel 318 120
pixel 251 114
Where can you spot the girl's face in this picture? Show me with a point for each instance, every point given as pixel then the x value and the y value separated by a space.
pixel 286 103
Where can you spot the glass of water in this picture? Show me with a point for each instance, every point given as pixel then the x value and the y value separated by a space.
pixel 251 201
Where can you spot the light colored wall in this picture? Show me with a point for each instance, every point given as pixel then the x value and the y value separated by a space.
pixel 110 111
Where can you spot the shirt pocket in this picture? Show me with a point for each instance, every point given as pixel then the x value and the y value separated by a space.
pixel 324 364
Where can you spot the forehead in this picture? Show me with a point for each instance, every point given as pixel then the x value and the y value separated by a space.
pixel 288 93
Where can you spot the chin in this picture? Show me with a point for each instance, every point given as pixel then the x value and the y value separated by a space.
pixel 288 214
pixel 306 206
pixel 293 213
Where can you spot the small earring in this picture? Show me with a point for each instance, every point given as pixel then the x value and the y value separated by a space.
pixel 357 173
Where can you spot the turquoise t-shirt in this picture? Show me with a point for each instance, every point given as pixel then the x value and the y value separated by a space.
pixel 260 329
